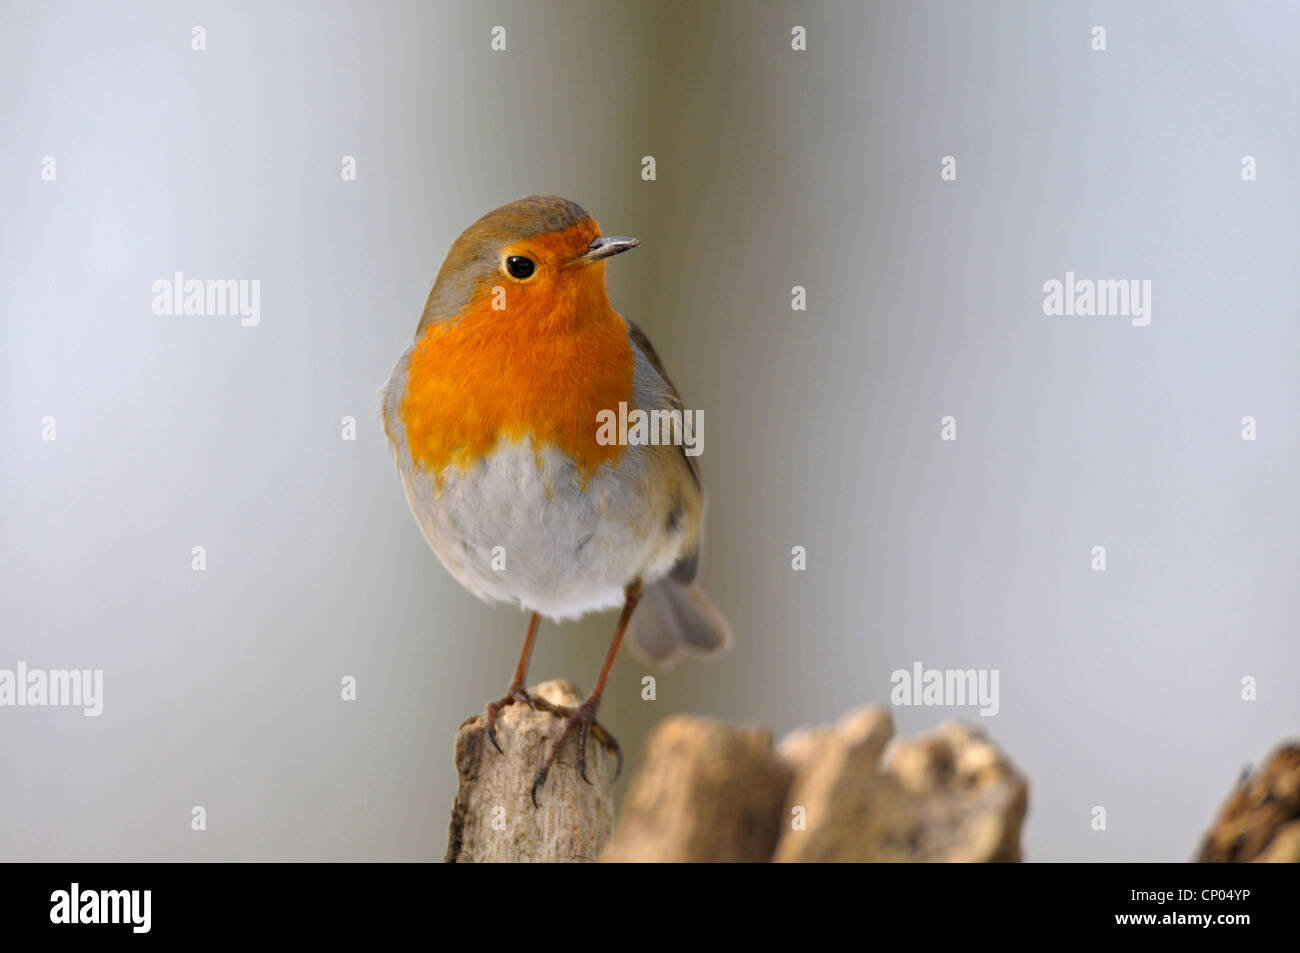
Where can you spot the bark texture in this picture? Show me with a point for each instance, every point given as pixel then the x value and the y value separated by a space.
pixel 493 818
pixel 1260 820
pixel 706 791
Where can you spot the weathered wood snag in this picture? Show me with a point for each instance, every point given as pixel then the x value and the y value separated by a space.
pixel 494 819
pixel 709 792
pixel 1260 820
pixel 836 771
pixel 948 795
pixel 705 791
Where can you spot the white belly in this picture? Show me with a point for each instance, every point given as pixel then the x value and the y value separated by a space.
pixel 511 531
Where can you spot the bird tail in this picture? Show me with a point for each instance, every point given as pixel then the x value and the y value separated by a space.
pixel 673 619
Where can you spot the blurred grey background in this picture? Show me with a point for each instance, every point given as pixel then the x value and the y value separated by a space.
pixel 775 168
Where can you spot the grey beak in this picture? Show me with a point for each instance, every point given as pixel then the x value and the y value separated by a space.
pixel 605 247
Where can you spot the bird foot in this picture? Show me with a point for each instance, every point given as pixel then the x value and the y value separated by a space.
pixel 514 694
pixel 583 720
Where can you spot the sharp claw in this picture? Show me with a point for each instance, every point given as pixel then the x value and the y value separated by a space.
pixel 583 729
pixel 512 695
pixel 583 719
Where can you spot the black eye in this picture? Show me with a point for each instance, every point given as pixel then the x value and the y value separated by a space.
pixel 520 267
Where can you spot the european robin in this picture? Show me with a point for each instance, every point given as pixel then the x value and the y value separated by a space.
pixel 493 414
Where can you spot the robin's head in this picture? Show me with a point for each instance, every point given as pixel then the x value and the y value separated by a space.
pixel 540 256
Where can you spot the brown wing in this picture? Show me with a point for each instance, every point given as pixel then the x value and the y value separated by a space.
pixel 689 565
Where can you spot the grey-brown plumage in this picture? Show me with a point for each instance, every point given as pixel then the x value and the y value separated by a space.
pixel 475 255
pixel 494 417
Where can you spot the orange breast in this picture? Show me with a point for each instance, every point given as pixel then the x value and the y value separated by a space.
pixel 542 368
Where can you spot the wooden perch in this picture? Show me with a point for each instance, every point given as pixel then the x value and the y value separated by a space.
pixel 1260 821
pixel 705 792
pixel 948 795
pixel 494 819
pixel 708 792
